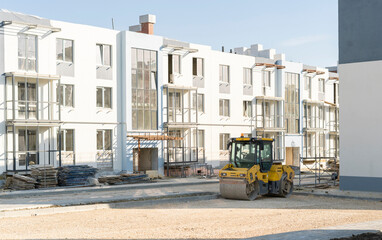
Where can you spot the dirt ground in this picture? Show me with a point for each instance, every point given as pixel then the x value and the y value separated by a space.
pixel 217 218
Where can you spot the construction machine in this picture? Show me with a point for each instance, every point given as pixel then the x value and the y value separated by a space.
pixel 252 171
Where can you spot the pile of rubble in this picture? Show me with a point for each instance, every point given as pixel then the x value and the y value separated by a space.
pixel 20 182
pixel 124 179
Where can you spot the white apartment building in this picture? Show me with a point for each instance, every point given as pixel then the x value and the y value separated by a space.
pixel 76 94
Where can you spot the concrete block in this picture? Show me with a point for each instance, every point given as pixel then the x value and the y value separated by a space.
pixel 148 18
pixel 152 174
pixel 135 28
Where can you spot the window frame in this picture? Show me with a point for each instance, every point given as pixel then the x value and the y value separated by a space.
pixel 63 95
pixel 307 83
pixel 195 66
pixel 138 89
pixel 103 55
pixel 247 106
pixel 321 86
pixel 26 55
pixel 223 144
pixel 179 57
pixel 103 97
pixel 201 135
pixel 225 103
pixel 267 83
pixel 63 135
pixel 245 80
pixel 292 79
pixel 103 139
pixel 200 103
pixel 221 74
pixel 63 50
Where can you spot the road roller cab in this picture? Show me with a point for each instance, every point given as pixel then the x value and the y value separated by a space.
pixel 252 172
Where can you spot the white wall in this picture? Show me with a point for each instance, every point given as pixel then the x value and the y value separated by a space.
pixel 360 119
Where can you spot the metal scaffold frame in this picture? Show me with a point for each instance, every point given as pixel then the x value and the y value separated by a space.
pixel 181 121
pixel 315 153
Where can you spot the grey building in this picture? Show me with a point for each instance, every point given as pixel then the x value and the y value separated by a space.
pixel 360 68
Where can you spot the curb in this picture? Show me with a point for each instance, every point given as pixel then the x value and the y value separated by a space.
pixel 335 196
pixel 8 195
pixel 123 203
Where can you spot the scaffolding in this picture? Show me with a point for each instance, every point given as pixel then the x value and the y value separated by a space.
pixel 158 136
pixel 316 161
pixel 181 121
pixel 33 118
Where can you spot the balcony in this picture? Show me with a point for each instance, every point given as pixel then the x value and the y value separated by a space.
pixel 269 117
pixel 30 99
pixel 33 118
pixel 313 117
pixel 180 106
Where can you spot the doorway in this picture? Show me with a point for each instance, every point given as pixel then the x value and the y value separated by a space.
pixel 292 156
pixel 148 159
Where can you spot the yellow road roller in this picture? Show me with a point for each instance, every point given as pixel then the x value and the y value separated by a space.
pixel 251 171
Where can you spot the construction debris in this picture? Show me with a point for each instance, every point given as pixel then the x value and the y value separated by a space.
pixel 75 175
pixel 110 179
pixel 20 182
pixel 134 178
pixel 45 176
pixel 123 179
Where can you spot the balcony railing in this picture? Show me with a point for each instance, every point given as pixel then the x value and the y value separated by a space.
pixel 32 110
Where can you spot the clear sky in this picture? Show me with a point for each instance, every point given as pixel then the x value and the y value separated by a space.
pixel 305 30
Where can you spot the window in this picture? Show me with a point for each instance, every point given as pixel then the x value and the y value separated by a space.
pixel 247 108
pixel 292 102
pixel 200 100
pixel 103 55
pixel 223 140
pixel 27 101
pixel 174 64
pixel 201 103
pixel 321 85
pixel 104 140
pixel 224 73
pixel 308 145
pixel 27 147
pixel 224 107
pixel 27 55
pixel 266 78
pixel 65 95
pixel 64 50
pixel 247 74
pixel 175 143
pixel 144 89
pixel 308 85
pixel 104 97
pixel 201 138
pixel 336 92
pixel 67 140
pixel 27 140
pixel 197 67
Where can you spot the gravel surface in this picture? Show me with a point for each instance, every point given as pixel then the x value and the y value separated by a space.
pixel 218 218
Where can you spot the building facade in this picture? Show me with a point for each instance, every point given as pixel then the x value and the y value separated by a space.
pixel 77 94
pixel 360 61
